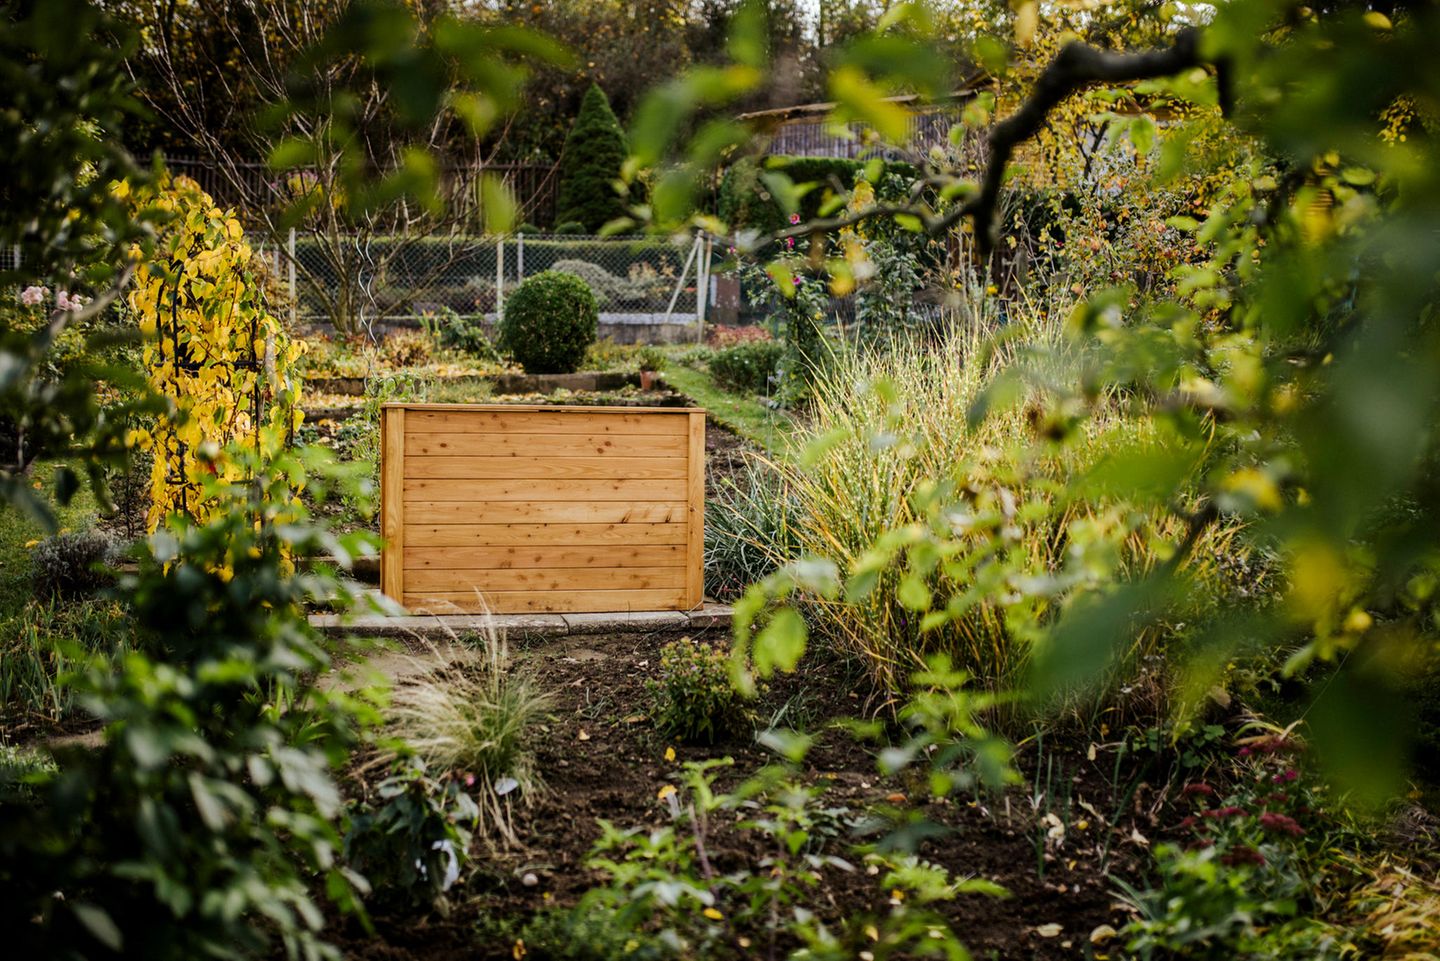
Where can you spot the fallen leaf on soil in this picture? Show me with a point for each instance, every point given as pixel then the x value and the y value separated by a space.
pixel 583 736
pixel 669 754
pixel 896 798
pixel 665 792
pixel 1051 930
pixel 634 718
pixel 1102 934
pixel 1139 838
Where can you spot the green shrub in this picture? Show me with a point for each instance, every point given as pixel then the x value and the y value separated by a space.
pixel 744 202
pixel 650 358
pixel 594 151
pixel 454 331
pixel 204 822
pixel 412 843
pixel 39 645
pixel 71 564
pixel 570 228
pixel 549 322
pixel 692 698
pixel 750 367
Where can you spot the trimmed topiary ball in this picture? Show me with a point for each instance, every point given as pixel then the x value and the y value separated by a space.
pixel 549 323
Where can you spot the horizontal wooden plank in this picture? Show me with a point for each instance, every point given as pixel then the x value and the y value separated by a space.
pixel 421 444
pixel 597 408
pixel 572 420
pixel 503 558
pixel 496 491
pixel 546 468
pixel 561 579
pixel 543 512
pixel 532 602
pixel 542 535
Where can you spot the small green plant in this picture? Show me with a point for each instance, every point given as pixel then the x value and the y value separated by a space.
pixel 549 322
pixel 412 841
pixel 693 699
pixel 406 348
pixel 570 228
pixel 73 564
pixel 46 639
pixel 752 367
pixel 474 712
pixel 1260 857
pixel 453 332
pixel 663 889
pixel 748 528
pixel 650 358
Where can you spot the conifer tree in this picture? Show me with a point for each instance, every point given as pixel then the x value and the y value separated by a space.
pixel 594 150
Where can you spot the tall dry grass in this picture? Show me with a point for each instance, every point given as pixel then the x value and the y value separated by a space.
pixel 888 426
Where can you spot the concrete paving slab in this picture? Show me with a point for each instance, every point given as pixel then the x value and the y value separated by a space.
pixel 439 625
pixel 623 622
pixel 515 626
pixel 711 615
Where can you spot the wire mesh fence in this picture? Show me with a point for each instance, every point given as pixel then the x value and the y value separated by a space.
pixel 636 280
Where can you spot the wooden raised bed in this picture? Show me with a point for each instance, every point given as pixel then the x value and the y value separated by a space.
pixel 522 508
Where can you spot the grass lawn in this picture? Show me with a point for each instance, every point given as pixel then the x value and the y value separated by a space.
pixel 745 415
pixel 17 530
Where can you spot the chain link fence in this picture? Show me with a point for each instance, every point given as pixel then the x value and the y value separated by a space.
pixel 637 280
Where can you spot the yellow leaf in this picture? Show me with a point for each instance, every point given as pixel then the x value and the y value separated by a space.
pixel 713 914
pixel 665 792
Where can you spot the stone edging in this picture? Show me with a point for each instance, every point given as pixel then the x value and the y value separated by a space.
pixel 711 616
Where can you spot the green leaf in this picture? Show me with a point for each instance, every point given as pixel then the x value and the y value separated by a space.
pixel 781 643
pixel 914 594
pixel 101 927
pixel 498 204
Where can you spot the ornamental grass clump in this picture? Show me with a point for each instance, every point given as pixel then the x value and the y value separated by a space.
pixel 473 713
pixel 966 536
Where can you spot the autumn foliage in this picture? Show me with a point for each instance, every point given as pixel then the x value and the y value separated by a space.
pixel 213 349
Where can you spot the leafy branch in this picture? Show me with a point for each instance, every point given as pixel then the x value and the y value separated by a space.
pixel 1074 68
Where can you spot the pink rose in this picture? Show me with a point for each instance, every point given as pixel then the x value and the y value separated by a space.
pixel 32 296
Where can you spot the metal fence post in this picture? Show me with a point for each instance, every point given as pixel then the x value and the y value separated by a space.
pixel 499 280
pixel 290 250
pixel 519 258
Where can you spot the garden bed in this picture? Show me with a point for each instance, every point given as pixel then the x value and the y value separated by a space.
pixel 602 758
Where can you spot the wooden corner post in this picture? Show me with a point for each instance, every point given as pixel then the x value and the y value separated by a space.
pixel 392 502
pixel 695 504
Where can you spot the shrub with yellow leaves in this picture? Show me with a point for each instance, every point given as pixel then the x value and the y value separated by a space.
pixel 213 348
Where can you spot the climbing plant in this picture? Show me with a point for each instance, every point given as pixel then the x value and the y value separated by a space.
pixel 213 349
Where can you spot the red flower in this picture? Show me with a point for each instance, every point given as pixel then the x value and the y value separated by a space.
pixel 1281 822
pixel 1242 855
pixel 1198 787
pixel 1286 776
pixel 1189 822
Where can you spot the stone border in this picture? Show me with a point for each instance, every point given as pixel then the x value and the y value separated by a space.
pixel 709 616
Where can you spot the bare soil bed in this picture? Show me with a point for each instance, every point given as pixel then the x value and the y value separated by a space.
pixel 601 758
